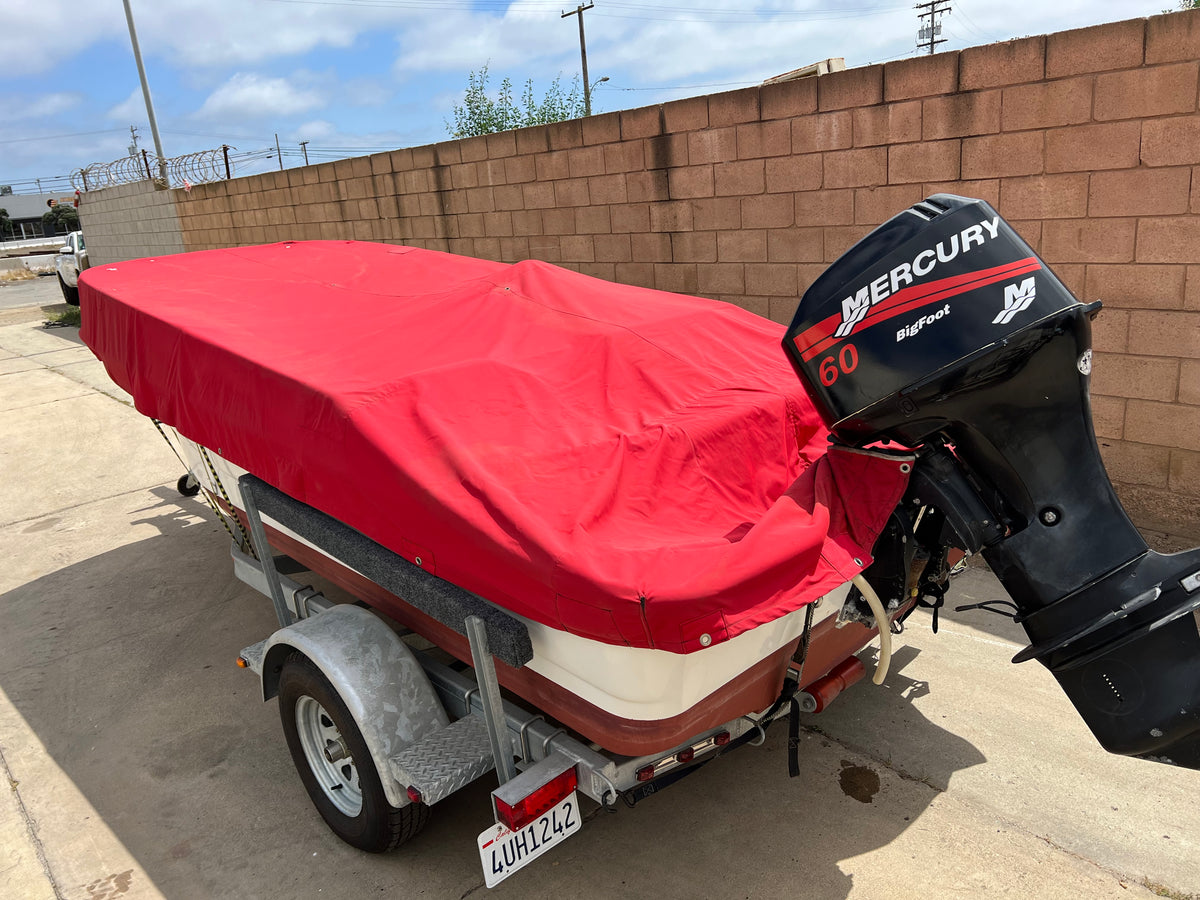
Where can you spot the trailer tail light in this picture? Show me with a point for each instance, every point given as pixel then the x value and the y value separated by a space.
pixel 413 794
pixel 650 771
pixel 517 815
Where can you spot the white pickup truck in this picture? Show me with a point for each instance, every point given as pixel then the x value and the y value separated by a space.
pixel 72 259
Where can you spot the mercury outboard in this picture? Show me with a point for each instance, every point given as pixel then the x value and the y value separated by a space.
pixel 943 331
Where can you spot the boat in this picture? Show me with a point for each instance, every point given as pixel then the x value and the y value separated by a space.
pixel 634 475
pixel 668 518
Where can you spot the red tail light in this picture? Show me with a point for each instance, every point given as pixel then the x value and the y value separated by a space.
pixel 546 797
pixel 721 738
pixel 686 756
pixel 645 773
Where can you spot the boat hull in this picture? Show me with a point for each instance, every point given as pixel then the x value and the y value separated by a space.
pixel 631 701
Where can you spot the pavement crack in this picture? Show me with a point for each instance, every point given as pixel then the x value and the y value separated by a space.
pixel 12 409
pixel 30 828
pixel 126 400
pixel 879 761
pixel 1122 877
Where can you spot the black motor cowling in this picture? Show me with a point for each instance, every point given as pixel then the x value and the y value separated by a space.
pixel 943 330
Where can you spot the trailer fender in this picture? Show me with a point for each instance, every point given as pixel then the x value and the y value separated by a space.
pixel 374 672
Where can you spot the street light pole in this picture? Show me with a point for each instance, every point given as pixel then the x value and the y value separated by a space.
pixel 587 88
pixel 137 55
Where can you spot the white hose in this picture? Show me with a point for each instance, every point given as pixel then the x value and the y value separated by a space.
pixel 882 623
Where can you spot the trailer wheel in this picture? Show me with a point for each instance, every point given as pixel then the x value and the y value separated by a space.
pixel 346 789
pixel 187 485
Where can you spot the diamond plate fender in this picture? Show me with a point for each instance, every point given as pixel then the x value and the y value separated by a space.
pixel 374 672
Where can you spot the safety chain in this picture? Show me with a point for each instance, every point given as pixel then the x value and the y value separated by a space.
pixel 248 544
pixel 163 434
pixel 207 499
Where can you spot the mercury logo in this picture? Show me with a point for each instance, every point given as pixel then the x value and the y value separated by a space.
pixel 857 305
pixel 1017 298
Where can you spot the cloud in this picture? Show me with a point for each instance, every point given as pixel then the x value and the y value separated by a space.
pixel 316 130
pixel 17 108
pixel 220 34
pixel 131 109
pixel 247 97
pixel 199 34
pixel 534 39
pixel 38 34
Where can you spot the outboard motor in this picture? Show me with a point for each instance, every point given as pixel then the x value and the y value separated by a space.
pixel 943 331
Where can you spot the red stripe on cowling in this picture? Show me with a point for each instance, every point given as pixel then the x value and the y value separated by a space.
pixel 820 337
pixel 926 301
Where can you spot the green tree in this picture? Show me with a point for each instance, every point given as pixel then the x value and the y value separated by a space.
pixel 6 229
pixel 480 113
pixel 60 219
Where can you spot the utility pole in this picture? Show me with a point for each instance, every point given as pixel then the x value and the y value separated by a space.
pixel 927 35
pixel 587 88
pixel 137 55
pixel 304 147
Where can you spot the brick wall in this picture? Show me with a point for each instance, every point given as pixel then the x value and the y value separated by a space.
pixel 1087 141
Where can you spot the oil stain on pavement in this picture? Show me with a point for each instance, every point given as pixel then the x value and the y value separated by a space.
pixel 859 782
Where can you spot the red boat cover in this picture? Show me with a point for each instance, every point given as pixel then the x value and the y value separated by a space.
pixel 629 465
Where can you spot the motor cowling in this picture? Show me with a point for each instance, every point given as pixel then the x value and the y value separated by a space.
pixel 943 330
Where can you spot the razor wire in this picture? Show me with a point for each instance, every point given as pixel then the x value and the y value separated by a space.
pixel 200 167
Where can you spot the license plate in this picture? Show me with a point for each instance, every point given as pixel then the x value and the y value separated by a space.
pixel 503 852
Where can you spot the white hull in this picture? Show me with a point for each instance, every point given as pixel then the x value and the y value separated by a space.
pixel 631 683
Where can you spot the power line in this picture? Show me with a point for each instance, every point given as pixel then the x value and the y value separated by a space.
pixel 716 15
pixel 728 17
pixel 873 62
pixel 684 87
pixel 220 137
pixel 55 137
pixel 988 36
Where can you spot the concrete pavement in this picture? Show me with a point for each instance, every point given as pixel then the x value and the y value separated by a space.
pixel 141 763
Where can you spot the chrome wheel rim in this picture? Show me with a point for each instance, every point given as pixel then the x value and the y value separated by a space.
pixel 338 780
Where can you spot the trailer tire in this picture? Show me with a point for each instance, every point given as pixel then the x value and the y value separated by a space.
pixel 348 796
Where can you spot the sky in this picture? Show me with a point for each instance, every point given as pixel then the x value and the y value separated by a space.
pixel 356 76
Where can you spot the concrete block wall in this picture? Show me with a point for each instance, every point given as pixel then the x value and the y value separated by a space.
pixel 131 221
pixel 1087 141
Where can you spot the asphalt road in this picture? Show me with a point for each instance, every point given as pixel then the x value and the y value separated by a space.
pixel 40 291
pixel 142 763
